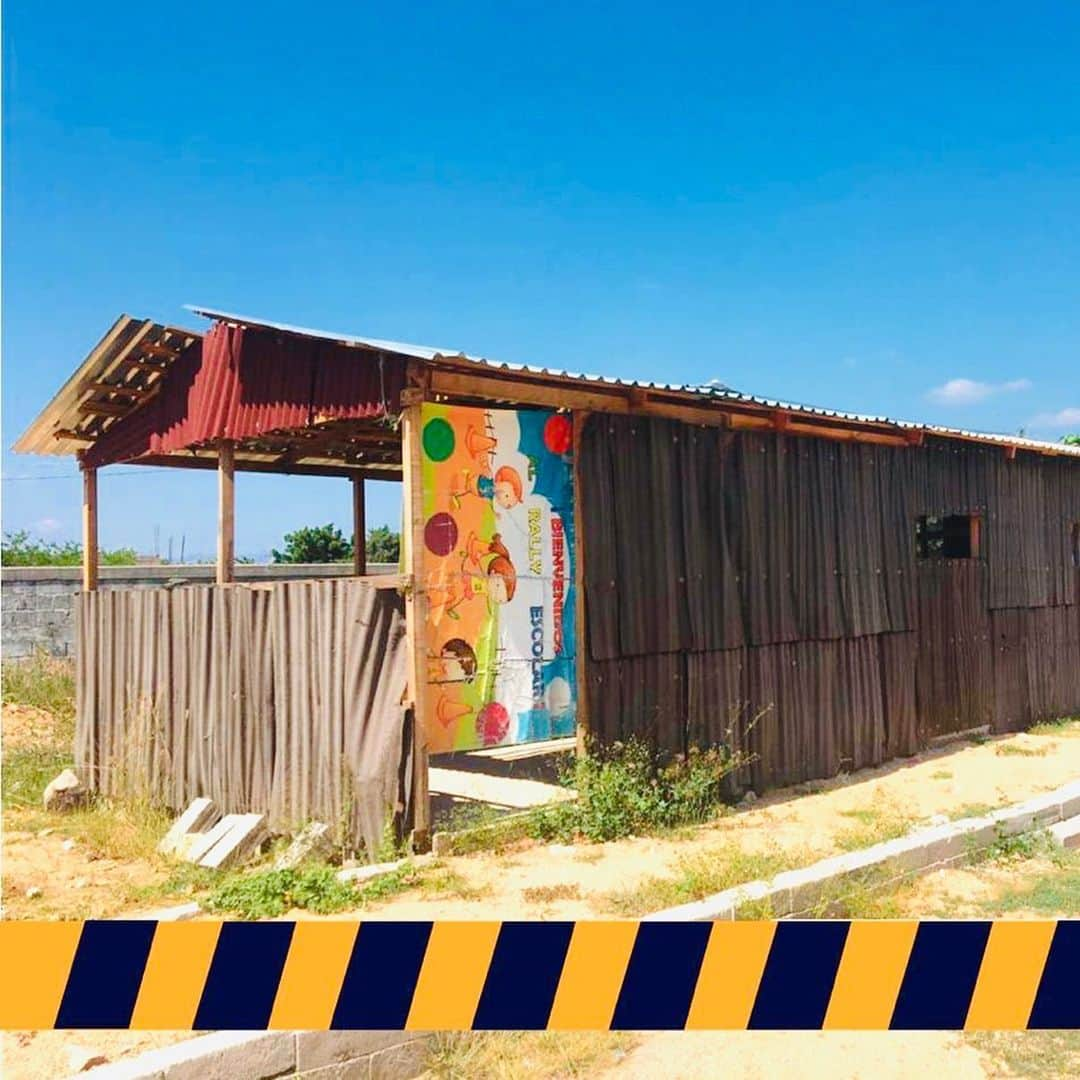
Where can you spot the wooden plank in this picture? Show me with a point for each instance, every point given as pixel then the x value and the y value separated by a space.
pixel 106 408
pixel 489 388
pixel 226 545
pixel 359 527
pixel 581 666
pixel 90 530
pixel 415 619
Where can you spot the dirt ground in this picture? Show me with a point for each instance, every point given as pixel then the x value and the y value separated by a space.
pixel 42 1055
pixel 575 881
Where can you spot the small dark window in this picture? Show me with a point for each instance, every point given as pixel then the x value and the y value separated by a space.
pixel 953 536
pixel 1074 546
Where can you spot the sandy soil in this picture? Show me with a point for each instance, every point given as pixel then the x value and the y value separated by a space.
pixel 37 1055
pixel 25 727
pixel 75 881
pixel 841 1055
pixel 947 781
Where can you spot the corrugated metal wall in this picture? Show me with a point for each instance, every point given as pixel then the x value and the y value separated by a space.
pixel 740 575
pixel 283 699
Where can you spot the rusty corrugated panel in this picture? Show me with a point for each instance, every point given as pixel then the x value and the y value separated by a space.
pixel 284 700
pixel 244 382
pixel 845 647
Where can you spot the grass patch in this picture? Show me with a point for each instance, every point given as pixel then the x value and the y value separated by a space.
pixel 1056 892
pixel 185 882
pixel 971 809
pixel 701 875
pixel 1067 726
pixel 271 893
pixel 1006 848
pixel 42 682
pixel 873 825
pixel 1016 750
pixel 526 1055
pixel 27 772
pixel 941 774
pixel 631 790
pixel 1047 1055
pixel 548 894
pixel 870 895
pixel 439 882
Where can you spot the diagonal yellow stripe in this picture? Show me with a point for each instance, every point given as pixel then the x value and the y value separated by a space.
pixel 175 975
pixel 313 974
pixel 592 976
pixel 730 975
pixel 869 976
pixel 452 976
pixel 1009 976
pixel 36 961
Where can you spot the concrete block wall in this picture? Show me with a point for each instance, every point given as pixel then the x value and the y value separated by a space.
pixel 37 602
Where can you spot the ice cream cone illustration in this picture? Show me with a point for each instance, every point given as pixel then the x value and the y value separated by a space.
pixel 448 711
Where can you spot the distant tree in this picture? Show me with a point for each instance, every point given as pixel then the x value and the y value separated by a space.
pixel 19 548
pixel 383 546
pixel 1071 440
pixel 315 544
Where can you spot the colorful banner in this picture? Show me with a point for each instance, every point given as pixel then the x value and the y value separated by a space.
pixel 499 575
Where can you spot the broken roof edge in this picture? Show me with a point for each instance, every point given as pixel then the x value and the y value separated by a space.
pixel 705 393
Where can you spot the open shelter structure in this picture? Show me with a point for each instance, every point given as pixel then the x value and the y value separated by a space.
pixel 581 555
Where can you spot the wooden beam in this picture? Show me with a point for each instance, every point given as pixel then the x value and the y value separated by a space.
pixel 226 540
pixel 581 664
pixel 105 408
pixel 67 434
pixel 359 527
pixel 489 388
pixel 187 460
pixel 416 620
pixel 139 392
pixel 166 352
pixel 90 530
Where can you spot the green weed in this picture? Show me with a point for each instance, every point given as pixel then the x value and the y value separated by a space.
pixel 270 893
pixel 631 790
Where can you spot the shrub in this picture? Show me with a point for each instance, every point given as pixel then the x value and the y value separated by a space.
pixel 630 789
pixel 20 549
pixel 271 893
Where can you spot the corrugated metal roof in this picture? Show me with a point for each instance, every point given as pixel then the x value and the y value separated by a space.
pixel 712 392
pixel 123 372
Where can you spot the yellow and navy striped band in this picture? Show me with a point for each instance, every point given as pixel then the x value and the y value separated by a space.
pixel 870 975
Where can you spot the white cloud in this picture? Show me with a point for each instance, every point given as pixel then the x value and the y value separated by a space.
pixel 1058 421
pixel 969 392
pixel 47 525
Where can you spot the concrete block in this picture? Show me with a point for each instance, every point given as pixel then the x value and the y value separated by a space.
pixel 357 1069
pixel 400 1062
pixel 176 913
pixel 198 817
pixel 314 839
pixel 316 1049
pixel 357 874
pixel 224 1055
pixel 199 844
pixel 1066 833
pixel 246 835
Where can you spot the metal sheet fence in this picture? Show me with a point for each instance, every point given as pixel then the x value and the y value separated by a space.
pixel 283 699
pixel 734 576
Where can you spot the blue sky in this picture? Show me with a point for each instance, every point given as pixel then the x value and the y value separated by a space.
pixel 869 206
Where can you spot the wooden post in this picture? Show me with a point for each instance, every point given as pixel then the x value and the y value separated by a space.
pixel 416 608
pixel 226 549
pixel 581 665
pixel 359 527
pixel 89 530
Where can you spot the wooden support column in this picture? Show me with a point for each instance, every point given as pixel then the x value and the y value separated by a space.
pixel 581 666
pixel 359 518
pixel 416 608
pixel 226 546
pixel 89 530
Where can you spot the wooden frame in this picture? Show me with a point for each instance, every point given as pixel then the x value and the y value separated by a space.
pixel 416 609
pixel 581 666
pixel 90 530
pixel 359 527
pixel 226 545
